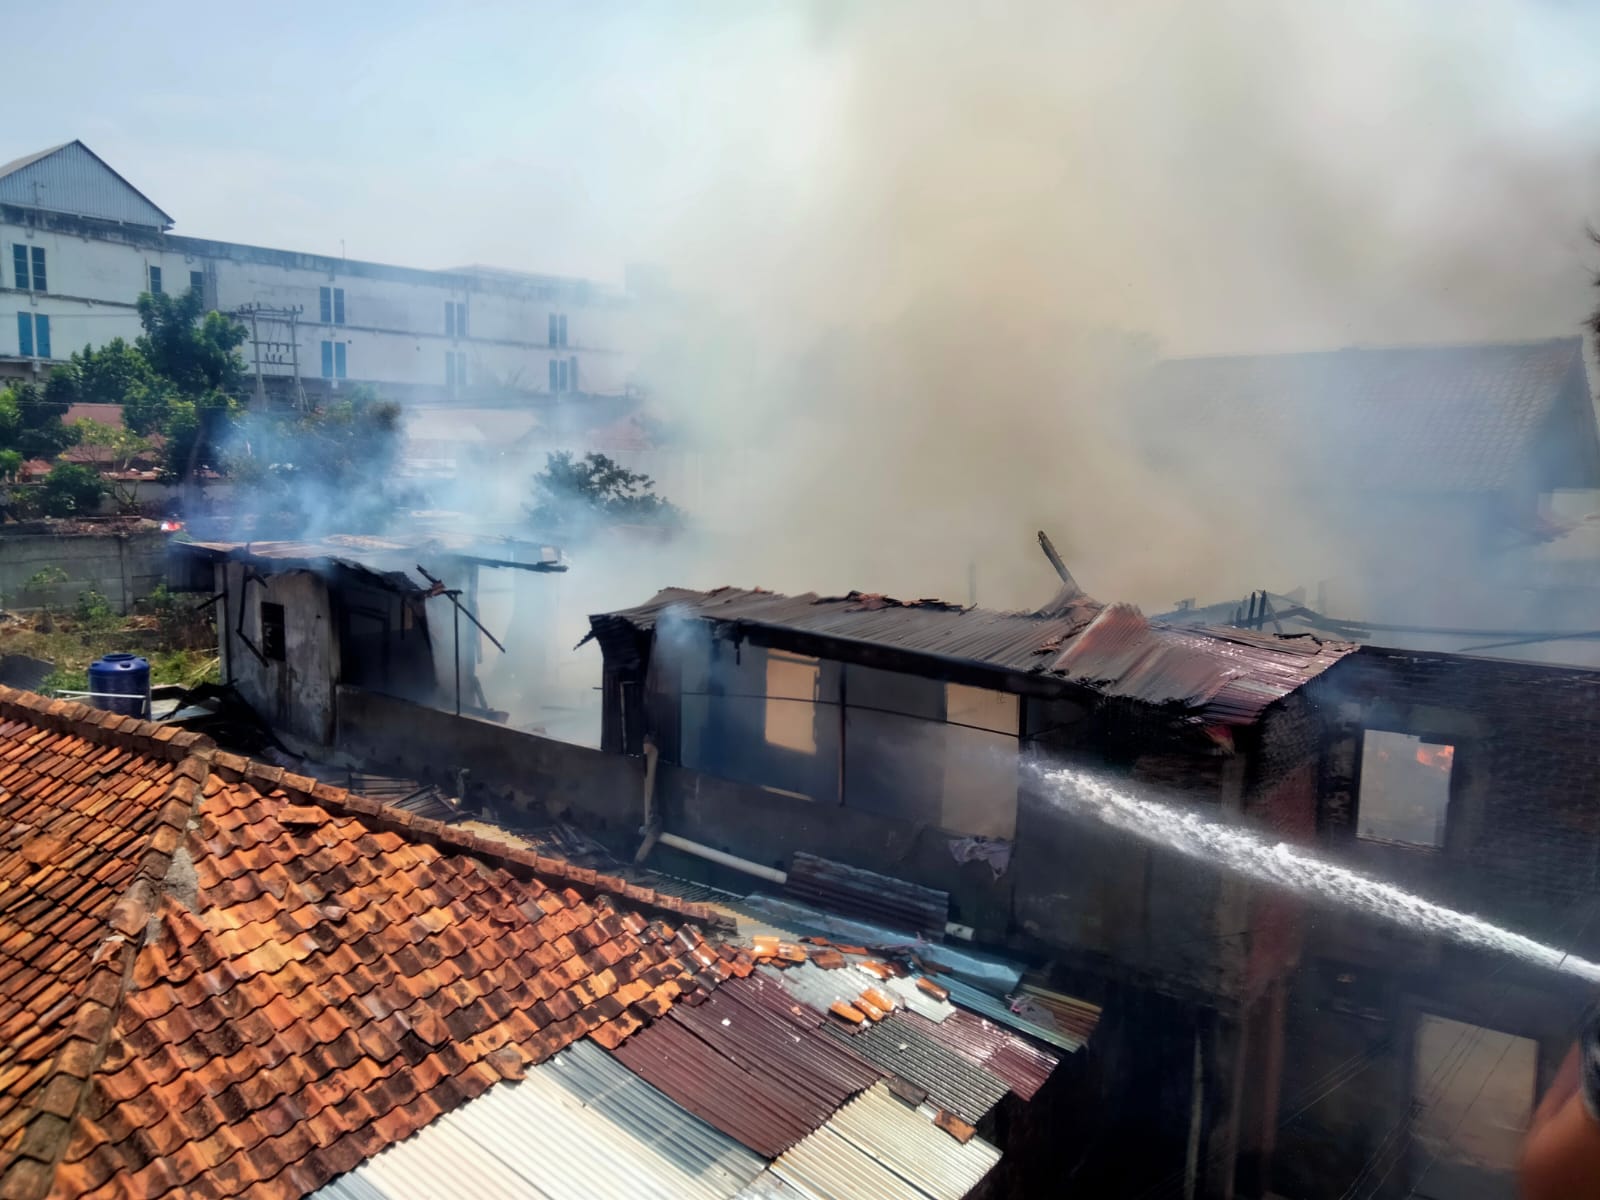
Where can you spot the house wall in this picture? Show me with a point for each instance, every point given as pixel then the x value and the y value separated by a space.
pixel 394 331
pixel 907 749
pixel 295 695
pixel 1521 848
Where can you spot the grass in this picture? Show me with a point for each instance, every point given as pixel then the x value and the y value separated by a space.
pixel 179 652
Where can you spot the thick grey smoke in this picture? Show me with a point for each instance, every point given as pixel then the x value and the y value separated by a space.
pixel 907 333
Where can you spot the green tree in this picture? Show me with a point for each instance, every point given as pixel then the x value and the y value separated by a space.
pixel 109 375
pixel 194 358
pixel 194 350
pixel 71 490
pixel 333 465
pixel 576 495
pixel 30 422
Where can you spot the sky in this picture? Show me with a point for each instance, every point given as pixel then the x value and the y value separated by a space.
pixel 556 137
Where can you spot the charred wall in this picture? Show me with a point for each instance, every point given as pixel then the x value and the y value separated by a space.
pixel 1411 1062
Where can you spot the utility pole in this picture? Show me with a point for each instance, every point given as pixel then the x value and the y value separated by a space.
pixel 260 404
pixel 268 352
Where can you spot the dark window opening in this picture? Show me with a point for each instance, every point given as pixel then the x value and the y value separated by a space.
pixel 155 281
pixel 197 281
pixel 272 635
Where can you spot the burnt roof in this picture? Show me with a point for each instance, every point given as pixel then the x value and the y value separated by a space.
pixel 388 559
pixel 1408 419
pixel 1226 676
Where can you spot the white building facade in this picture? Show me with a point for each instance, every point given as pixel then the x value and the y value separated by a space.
pixel 81 244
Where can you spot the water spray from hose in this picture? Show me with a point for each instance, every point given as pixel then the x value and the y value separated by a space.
pixel 1285 866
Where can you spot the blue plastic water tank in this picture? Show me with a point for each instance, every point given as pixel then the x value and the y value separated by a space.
pixel 120 683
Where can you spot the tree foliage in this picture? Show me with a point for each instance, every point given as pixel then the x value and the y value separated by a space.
pixel 576 495
pixel 331 467
pixel 119 448
pixel 30 423
pixel 71 490
pixel 109 375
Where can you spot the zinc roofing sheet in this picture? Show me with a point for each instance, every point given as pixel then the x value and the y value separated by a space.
pixel 1006 1055
pixel 759 1109
pixel 580 1125
pixel 1065 1037
pixel 877 1146
pixel 901 1048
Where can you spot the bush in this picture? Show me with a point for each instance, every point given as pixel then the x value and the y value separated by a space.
pixel 94 610
pixel 71 490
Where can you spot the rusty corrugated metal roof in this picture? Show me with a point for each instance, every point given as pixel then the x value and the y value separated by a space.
pixel 391 558
pixel 905 1049
pixel 1223 676
pixel 1005 1055
pixel 754 1064
pixel 856 892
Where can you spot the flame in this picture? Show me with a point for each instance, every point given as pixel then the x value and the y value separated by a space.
pixel 1438 757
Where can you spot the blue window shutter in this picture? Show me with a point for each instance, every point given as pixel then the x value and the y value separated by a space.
pixel 197 281
pixel 561 376
pixel 552 342
pixel 25 334
pixel 552 371
pixel 325 307
pixel 41 333
pixel 563 331
pixel 327 360
pixel 572 374
pixel 19 261
pixel 461 319
pixel 38 270
pixel 449 318
pixel 338 306
pixel 338 359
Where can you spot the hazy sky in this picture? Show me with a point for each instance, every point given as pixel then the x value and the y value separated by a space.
pixel 548 136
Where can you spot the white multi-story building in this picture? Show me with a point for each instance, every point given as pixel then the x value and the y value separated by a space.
pixel 81 244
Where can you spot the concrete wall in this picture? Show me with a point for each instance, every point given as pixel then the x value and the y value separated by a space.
pixel 603 793
pixel 123 567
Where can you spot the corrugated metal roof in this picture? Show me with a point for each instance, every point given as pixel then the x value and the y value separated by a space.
pixel 1006 1055
pixel 1070 1036
pixel 392 560
pixel 818 988
pixel 907 1050
pixel 751 1061
pixel 856 892
pixel 1226 676
pixel 768 1186
pixel 877 1146
pixel 579 1125
pixel 757 1109
pixel 71 178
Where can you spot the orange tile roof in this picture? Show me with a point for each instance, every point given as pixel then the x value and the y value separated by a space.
pixel 219 979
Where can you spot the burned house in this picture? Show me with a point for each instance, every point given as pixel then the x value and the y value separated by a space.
pixel 298 620
pixel 1417 1062
pixel 901 738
